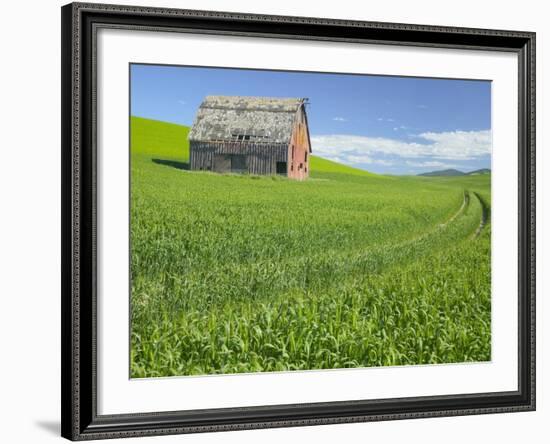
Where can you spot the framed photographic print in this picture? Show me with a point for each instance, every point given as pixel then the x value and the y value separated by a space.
pixel 280 221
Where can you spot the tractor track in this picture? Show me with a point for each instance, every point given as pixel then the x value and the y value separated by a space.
pixel 465 203
pixel 484 215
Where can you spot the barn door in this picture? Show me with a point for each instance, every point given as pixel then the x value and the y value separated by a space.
pixel 222 163
pixel 281 168
pixel 238 163
pixel 230 163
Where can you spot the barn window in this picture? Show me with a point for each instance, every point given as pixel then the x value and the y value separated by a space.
pixel 281 168
pixel 239 137
pixel 305 157
pixel 301 166
pixel 293 151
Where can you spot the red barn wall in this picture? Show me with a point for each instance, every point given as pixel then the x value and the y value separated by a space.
pixel 298 150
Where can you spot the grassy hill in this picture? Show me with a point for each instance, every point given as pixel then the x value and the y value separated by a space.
pixel 453 172
pixel 480 171
pixel 235 273
pixel 318 164
pixel 163 139
pixel 449 172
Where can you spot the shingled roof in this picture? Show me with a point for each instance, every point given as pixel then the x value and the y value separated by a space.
pixel 257 119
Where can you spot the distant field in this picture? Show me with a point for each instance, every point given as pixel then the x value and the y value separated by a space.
pixel 348 269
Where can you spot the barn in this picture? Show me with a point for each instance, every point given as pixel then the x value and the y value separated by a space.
pixel 255 135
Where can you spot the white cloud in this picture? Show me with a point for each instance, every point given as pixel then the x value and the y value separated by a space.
pixel 364 159
pixel 459 144
pixel 182 102
pixel 356 159
pixel 339 119
pixel 422 106
pixel 452 145
pixel 382 119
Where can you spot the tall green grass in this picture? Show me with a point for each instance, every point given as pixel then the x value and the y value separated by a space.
pixel 348 269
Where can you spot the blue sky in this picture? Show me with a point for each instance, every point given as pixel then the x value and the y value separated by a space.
pixel 390 125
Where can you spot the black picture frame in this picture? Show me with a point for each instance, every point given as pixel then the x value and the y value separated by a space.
pixel 80 420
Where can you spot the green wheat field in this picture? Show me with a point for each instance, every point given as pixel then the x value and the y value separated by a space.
pixel 237 273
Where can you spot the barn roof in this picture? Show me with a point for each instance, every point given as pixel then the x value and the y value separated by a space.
pixel 255 119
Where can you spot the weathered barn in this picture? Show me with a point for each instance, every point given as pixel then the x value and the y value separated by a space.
pixel 256 135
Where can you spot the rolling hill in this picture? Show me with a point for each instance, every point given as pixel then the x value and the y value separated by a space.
pixel 453 172
pixel 154 137
pixel 448 172
pixel 478 172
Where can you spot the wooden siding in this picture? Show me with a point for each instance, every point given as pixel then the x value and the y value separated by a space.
pixel 299 149
pixel 262 158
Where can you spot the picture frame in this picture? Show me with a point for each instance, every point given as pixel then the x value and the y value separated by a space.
pixel 80 212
